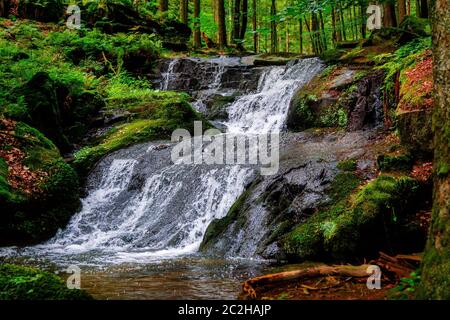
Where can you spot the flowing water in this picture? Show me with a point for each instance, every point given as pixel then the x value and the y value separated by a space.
pixel 145 217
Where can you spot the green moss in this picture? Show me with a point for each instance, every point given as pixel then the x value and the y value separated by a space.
pixel 25 283
pixel 347 165
pixel 395 163
pixel 355 223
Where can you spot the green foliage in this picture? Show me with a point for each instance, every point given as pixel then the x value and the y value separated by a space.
pixel 406 288
pixel 393 163
pixel 26 283
pixel 404 57
pixel 347 165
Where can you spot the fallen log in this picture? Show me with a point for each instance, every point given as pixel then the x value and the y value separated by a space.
pixel 249 286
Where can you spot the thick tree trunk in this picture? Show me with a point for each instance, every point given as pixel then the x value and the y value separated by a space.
pixel 401 10
pixel 255 27
pixel 389 15
pixel 273 28
pixel 184 11
pixel 163 5
pixel 436 262
pixel 222 32
pixel 197 32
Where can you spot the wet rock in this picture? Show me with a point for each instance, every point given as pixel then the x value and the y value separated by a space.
pixel 415 130
pixel 368 107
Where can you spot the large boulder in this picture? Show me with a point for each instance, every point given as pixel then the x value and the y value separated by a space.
pixel 62 116
pixel 415 131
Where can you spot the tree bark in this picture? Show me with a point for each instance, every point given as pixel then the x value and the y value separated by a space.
pixel 273 28
pixel 255 26
pixel 163 5
pixel 401 10
pixel 244 19
pixel 363 9
pixel 301 35
pixel 184 11
pixel 197 32
pixel 423 9
pixel 236 20
pixel 436 262
pixel 389 15
pixel 222 31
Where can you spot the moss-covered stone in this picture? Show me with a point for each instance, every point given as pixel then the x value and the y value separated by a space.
pixel 41 193
pixel 358 224
pixel 26 283
pixel 414 128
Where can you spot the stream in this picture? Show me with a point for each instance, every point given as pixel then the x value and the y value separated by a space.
pixel 138 233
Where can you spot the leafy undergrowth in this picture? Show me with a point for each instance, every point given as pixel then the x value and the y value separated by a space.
pixel 26 283
pixel 417 85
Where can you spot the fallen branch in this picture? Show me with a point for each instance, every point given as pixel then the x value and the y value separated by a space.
pixel 249 286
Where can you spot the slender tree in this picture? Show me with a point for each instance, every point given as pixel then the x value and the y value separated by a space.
pixel 244 20
pixel 222 28
pixel 197 32
pixel 163 5
pixel 184 11
pixel 255 26
pixel 235 33
pixel 273 28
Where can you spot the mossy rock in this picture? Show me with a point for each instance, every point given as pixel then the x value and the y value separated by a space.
pixel 26 283
pixel 415 131
pixel 45 198
pixel 359 223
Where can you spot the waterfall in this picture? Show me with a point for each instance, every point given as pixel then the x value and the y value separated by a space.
pixel 167 76
pixel 140 206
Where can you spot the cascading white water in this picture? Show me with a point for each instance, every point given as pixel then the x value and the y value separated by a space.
pixel 140 206
pixel 166 77
pixel 266 110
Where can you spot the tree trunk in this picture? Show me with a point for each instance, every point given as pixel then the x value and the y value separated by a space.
pixel 244 21
pixel 436 262
pixel 322 27
pixel 389 15
pixel 163 5
pixel 236 20
pixel 301 35
pixel 363 9
pixel 273 28
pixel 222 32
pixel 184 11
pixel 341 13
pixel 423 8
pixel 197 32
pixel 401 10
pixel 255 27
